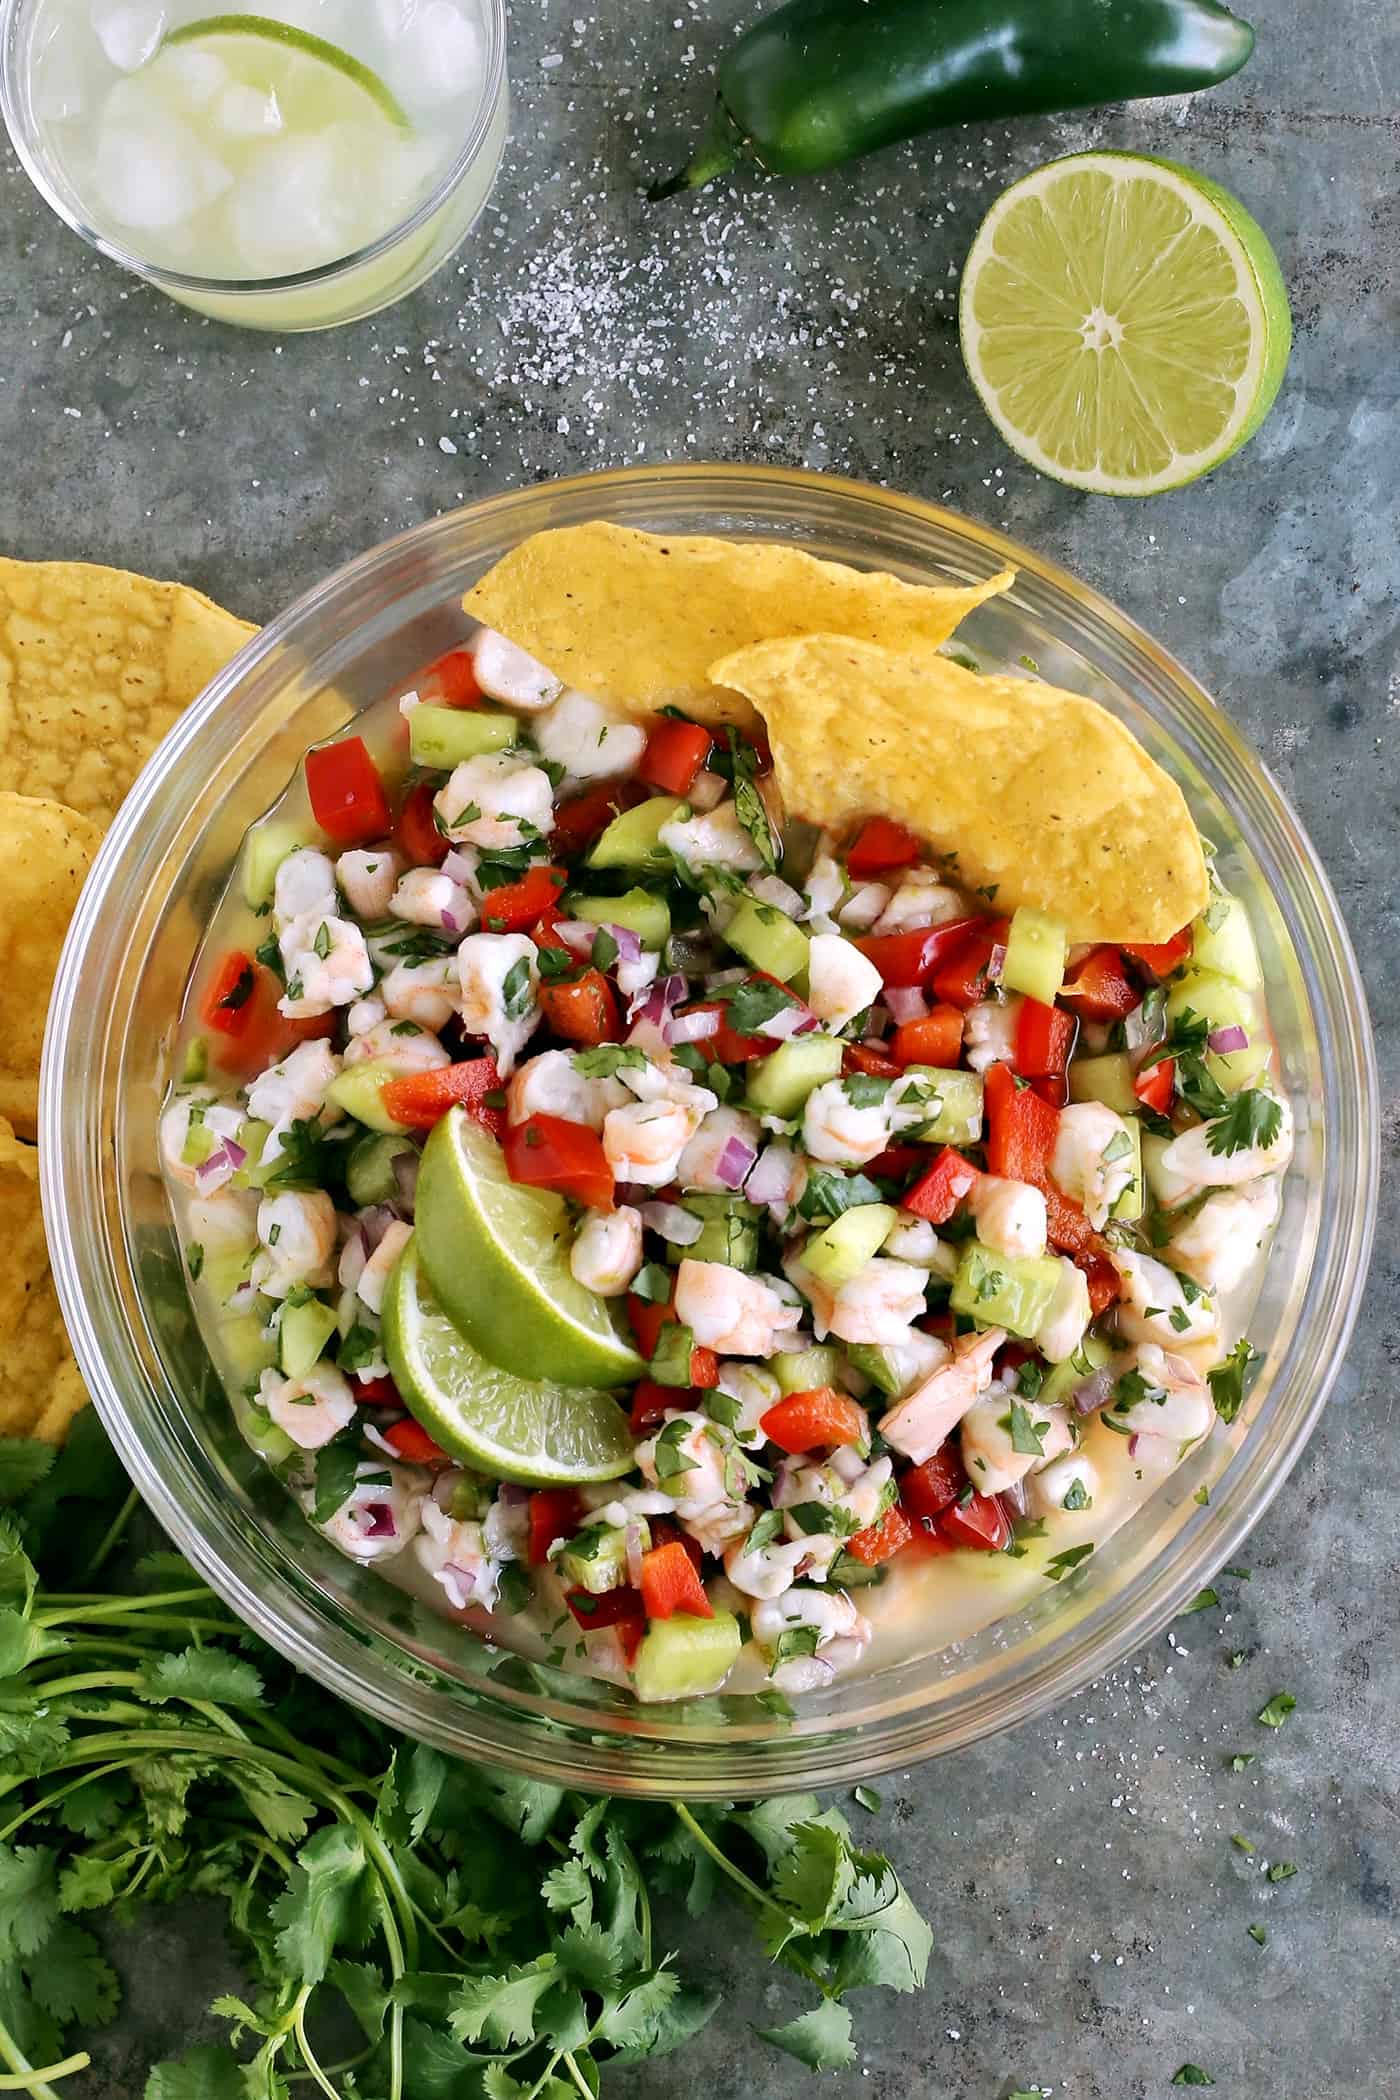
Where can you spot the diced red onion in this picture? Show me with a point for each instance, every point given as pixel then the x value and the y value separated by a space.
pixel 1015 1498
pixel 464 1581
pixel 632 1543
pixel 789 1021
pixel 449 923
pixel 374 1223
pixel 377 1521
pixel 380 1441
pixel 1133 1441
pixel 694 1027
pixel 512 1497
pixel 906 1003
pixel 577 935
pixel 406 1166
pixel 771 889
pixel 735 1163
pixel 848 1465
pixel 1094 1391
pixel 681 1227
pixel 706 791
pixel 213 1172
pixel 782 1489
pixel 771 1179
pixel 629 944
pixel 1224 1040
pixel 996 963
pixel 658 1000
pixel 461 868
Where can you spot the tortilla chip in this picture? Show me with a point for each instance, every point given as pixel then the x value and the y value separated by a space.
pixel 95 664
pixel 41 1390
pixel 45 852
pixel 637 618
pixel 1038 791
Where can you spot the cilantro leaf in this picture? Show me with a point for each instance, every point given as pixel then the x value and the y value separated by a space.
pixel 314 1913
pixel 1027 1435
pixel 207 2073
pixel 828 1193
pixel 28 1898
pixel 1277 1710
pixel 503 2010
pixel 1204 1600
pixel 607 1060
pixel 73 1980
pixel 753 1001
pixel 1252 1121
pixel 337 1466
pixel 1227 1379
pixel 24 1461
pixel 211 1674
pixel 821 2039
pixel 1192 2074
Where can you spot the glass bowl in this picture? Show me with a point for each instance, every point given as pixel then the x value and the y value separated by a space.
pixel 117 1265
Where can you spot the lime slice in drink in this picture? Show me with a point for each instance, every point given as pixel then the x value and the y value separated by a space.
pixel 318 83
pixel 497 1257
pixel 533 1431
pixel 1125 322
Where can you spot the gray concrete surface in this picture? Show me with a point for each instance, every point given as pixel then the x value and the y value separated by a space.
pixel 1091 1911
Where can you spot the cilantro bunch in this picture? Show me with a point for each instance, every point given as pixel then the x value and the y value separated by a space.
pixel 484 1937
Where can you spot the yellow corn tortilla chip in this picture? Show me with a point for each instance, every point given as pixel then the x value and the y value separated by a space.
pixel 1040 792
pixel 637 618
pixel 95 664
pixel 45 852
pixel 41 1390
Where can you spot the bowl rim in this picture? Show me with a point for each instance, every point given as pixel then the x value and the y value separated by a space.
pixel 644 1763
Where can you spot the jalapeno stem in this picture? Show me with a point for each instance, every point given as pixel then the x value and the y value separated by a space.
pixel 719 151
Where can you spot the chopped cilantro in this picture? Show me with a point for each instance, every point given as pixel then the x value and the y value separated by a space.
pixel 1076 1496
pixel 1242 1760
pixel 865 1089
pixel 1251 1122
pixel 868 1798
pixel 1282 1870
pixel 607 1060
pixel 1227 1379
pixel 194 1260
pixel 1027 1436
pixel 753 1001
pixel 794 1641
pixel 1277 1710
pixel 1242 1844
pixel 604 951
pixel 668 1458
pixel 1060 1564
pixel 1258 1934
pixel 1204 1600
pixel 517 993
pixel 1192 2074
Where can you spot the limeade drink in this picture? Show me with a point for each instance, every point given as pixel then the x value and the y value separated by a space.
pixel 247 147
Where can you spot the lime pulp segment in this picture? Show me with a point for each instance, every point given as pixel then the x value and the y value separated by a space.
pixel 305 44
pixel 532 1431
pixel 497 1257
pixel 1124 321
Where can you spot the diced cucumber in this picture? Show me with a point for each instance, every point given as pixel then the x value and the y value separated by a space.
pixel 779 1085
pixel 1221 1003
pixel 265 848
pixel 803 1370
pixel 200 1143
pixel 596 1559
pixel 357 1091
pixel 683 1658
pixel 369 1168
pixel 1106 1079
pixel 195 1069
pixel 244 1351
pixel 1223 941
pixel 271 1443
pixel 769 939
pixel 670 1360
pixel 1004 1290
pixel 642 911
pixel 632 840
pixel 842 1249
pixel 1036 947
pixel 253 1134
pixel 1129 1206
pixel 1166 1189
pixel 952 1104
pixel 848 1573
pixel 470 1498
pixel 876 1364
pixel 730 1232
pixel 1061 1379
pixel 226 1269
pixel 302 1333
pixel 444 737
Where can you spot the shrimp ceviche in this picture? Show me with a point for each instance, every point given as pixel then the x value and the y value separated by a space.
pixel 685 1243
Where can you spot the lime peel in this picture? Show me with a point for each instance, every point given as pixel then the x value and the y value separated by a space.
pixel 304 41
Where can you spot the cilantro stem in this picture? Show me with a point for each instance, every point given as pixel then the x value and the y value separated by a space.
pixel 79 1608
pixel 26 2078
pixel 61 1793
pixel 754 1893
pixel 112 1535
pixel 308 2054
pixel 574 2072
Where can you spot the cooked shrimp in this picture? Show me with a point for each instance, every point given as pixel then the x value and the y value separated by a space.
pixel 989 1453
pixel 715 840
pixel 915 1358
pixel 915 1240
pixel 607 1250
pixel 1010 1215
pixel 500 979
pixel 507 674
pixel 456 1553
pixel 841 981
pixel 765 1571
pixel 588 740
pixel 754 1390
pixel 842 1635
pixel 295 1088
pixel 402 1044
pixel 927 1417
pixel 734 1314
pixel 989 1033
pixel 1168 1397
pixel 364 1015
pixel 1066 1317
pixel 920 899
pixel 499 801
pixel 297 1232
pixel 217 1119
pixel 552 1085
pixel 1068 1483
pixel 427 897
pixel 707 1480
pixel 424 992
pixel 304 883
pixel 838 1133
pixel 1191 1157
pixel 311 1409
pixel 1217 1246
pixel 367 880
pixel 699 1163
pixel 1095 1158
pixel 878 1305
pixel 1155 1307
pixel 326 962
pixel 374 1276
pixel 378 1518
pixel 644 1141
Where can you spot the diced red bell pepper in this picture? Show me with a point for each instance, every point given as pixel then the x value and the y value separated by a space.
pixel 868 1058
pixel 579 820
pixel 896 1162
pixel 913 958
pixel 228 1004
pixel 1101 989
pixel 938 1192
pixel 665 1531
pixel 670 1584
pixel 583 1011
pixel 961 980
pixel 926 1490
pixel 651 1403
pixel 1044 1040
pixel 1021 1128
pixel 704 1368
pixel 347 795
pixel 980 1522
pixel 648 1317
pixel 555 1513
pixel 726 1046
pixel 815 1420
pixel 935 1040
pixel 1155 1087
pixel 418 837
pixel 674 754
pixel 451 681
pixel 878 846
pixel 375 1392
pixel 1055 1091
pixel 421 1099
pixel 1105 1284
pixel 266 1033
pixel 622 1609
pixel 518 904
pixel 942 1325
pixel 881 1541
pixel 412 1442
pixel 1161 957
pixel 548 1152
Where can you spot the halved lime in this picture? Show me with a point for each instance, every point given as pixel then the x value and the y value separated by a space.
pixel 305 45
pixel 529 1430
pixel 497 1257
pixel 1124 321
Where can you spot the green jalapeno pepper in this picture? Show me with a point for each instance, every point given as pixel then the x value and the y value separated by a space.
pixel 824 81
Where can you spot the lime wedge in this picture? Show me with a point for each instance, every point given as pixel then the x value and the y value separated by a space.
pixel 533 1431
pixel 1124 321
pixel 497 1258
pixel 301 42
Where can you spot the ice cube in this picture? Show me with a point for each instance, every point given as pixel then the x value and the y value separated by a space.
pixel 293 208
pixel 245 112
pixel 129 34
pixel 195 75
pixel 155 176
pixel 437 52
pixel 59 81
pixel 405 174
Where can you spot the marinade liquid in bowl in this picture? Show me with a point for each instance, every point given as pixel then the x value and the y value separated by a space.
pixel 957 1643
